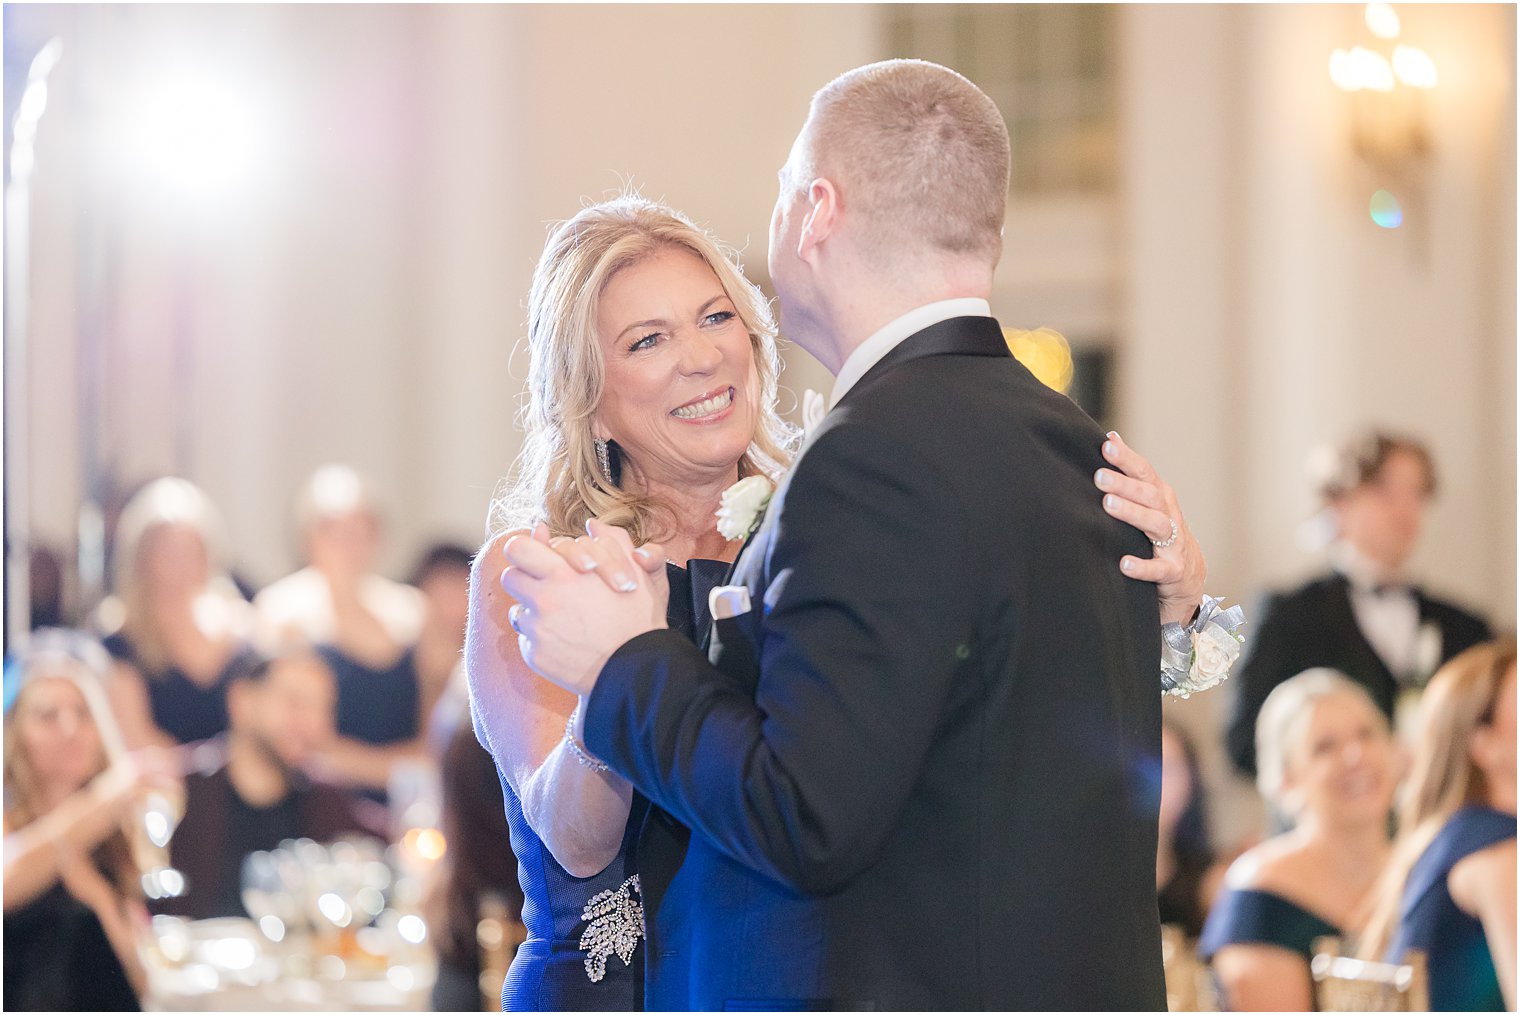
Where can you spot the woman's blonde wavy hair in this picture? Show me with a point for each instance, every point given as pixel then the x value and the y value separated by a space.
pixel 1461 697
pixel 557 478
pixel 164 502
pixel 80 660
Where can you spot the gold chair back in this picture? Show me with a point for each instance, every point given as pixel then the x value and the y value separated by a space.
pixel 1189 986
pixel 1344 983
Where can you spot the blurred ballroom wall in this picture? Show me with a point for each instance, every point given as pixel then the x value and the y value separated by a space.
pixel 355 292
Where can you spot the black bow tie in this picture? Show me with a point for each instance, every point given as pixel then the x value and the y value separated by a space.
pixel 1392 589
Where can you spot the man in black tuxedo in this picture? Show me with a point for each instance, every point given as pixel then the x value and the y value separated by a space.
pixel 1364 618
pixel 921 764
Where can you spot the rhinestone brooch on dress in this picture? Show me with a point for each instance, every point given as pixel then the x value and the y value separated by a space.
pixel 614 924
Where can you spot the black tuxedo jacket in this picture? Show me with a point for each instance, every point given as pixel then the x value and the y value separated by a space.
pixel 1315 625
pixel 924 771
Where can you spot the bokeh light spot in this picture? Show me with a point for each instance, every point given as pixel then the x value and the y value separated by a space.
pixel 1386 210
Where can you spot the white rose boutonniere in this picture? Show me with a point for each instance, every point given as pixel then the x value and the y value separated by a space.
pixel 742 506
pixel 1427 652
pixel 1199 656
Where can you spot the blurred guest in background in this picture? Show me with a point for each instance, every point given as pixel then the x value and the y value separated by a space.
pixel 1365 618
pixel 1450 888
pixel 1328 761
pixel 177 627
pixel 73 905
pixel 474 820
pixel 1187 877
pixel 479 863
pixel 45 587
pixel 365 626
pixel 443 578
pixel 252 792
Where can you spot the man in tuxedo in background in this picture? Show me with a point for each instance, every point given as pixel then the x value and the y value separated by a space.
pixel 1365 618
pixel 921 768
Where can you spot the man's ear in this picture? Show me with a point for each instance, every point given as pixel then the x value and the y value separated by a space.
pixel 821 221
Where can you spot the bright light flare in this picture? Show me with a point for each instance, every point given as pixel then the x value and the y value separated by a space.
pixel 412 929
pixel 1382 21
pixel 195 133
pixel 426 843
pixel 1386 210
pixel 273 928
pixel 1360 68
pixel 335 909
pixel 1414 67
pixel 232 953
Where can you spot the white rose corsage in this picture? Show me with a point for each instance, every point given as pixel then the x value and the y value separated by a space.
pixel 1199 656
pixel 742 506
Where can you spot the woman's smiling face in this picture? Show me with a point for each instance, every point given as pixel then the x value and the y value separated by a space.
pixel 680 389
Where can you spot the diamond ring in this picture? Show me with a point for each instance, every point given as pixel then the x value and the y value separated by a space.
pixel 1162 544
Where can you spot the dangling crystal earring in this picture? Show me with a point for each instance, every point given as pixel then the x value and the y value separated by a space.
pixel 603 459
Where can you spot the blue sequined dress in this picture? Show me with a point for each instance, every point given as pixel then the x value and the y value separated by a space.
pixel 552 971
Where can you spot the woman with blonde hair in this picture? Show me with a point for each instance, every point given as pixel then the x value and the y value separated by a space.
pixel 1327 761
pixel 176 625
pixel 73 904
pixel 1449 889
pixel 652 389
pixel 365 626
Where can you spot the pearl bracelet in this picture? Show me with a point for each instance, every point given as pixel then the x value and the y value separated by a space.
pixel 579 751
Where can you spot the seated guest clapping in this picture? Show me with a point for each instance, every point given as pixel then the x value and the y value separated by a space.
pixel 1328 762
pixel 1450 888
pixel 281 715
pixel 73 904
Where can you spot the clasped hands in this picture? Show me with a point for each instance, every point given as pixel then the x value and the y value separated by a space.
pixel 580 600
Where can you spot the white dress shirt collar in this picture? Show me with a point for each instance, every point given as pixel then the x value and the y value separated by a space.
pixel 1388 615
pixel 1364 573
pixel 892 334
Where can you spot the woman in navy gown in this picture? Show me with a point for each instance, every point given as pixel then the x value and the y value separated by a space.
pixel 363 625
pixel 176 626
pixel 1327 761
pixel 1450 889
pixel 652 389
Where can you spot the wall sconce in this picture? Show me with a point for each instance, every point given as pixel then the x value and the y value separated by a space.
pixel 1386 82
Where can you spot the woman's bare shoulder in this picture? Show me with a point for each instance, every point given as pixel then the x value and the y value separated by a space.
pixel 1264 866
pixel 1487 872
pixel 493 552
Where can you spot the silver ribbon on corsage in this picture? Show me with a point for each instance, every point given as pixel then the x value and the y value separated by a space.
pixel 1199 656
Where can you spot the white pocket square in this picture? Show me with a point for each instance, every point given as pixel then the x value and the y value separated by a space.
pixel 728 601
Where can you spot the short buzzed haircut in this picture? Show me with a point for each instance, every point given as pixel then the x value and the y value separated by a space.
pixel 920 154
